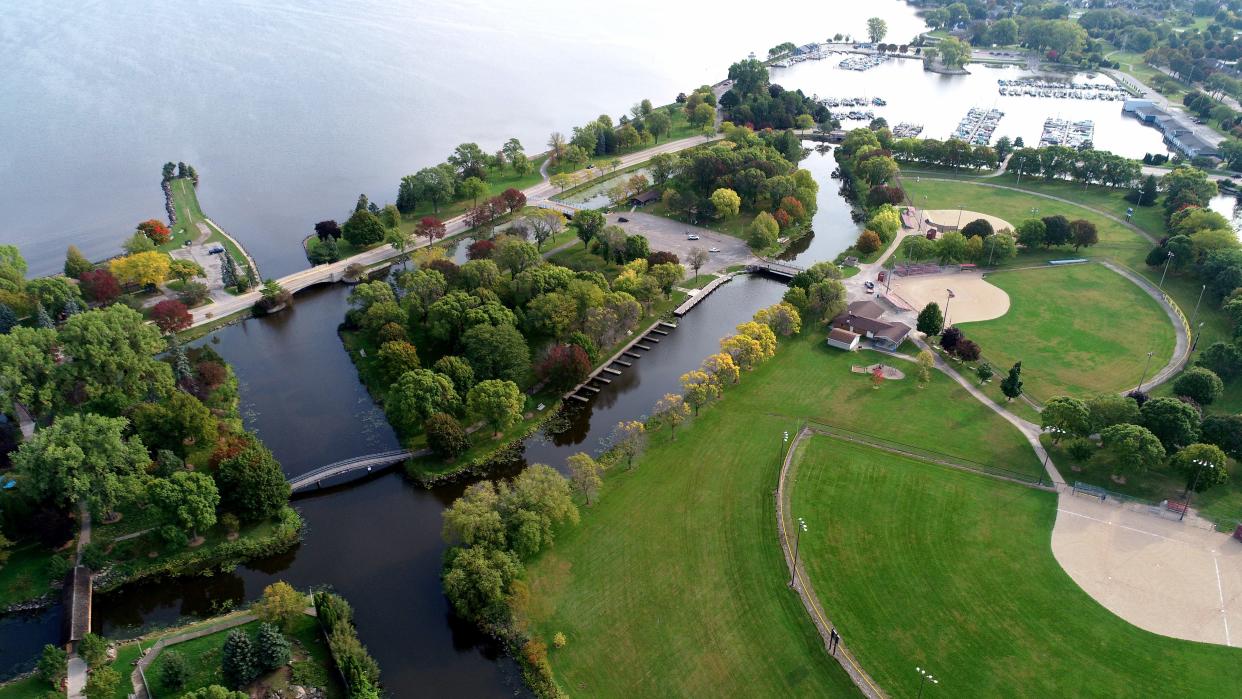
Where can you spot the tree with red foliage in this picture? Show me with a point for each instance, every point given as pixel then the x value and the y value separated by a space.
pixel 171 316
pixel 480 216
pixel 660 257
pixel 210 374
pixel 155 230
pixel 794 208
pixel 480 250
pixel 564 367
pixel 782 218
pixel 967 350
pixel 514 200
pixel 431 227
pixel 100 286
pixel 448 268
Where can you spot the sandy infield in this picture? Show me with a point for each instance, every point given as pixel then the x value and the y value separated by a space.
pixel 1164 576
pixel 949 217
pixel 974 298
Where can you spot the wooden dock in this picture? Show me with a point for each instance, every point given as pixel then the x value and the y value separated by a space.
pixel 693 301
pixel 626 351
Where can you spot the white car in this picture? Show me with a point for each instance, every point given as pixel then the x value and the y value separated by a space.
pixel 713 249
pixel 692 236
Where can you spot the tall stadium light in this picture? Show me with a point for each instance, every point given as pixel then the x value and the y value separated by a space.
pixel 1139 388
pixel 797 545
pixel 1188 494
pixel 924 678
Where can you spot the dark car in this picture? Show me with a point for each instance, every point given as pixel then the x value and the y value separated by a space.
pixel 622 219
pixel 216 250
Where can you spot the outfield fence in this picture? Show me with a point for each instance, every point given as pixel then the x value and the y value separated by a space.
pixel 925 454
pixel 1156 509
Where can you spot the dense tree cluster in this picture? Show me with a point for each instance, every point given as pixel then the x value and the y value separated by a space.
pixel 754 102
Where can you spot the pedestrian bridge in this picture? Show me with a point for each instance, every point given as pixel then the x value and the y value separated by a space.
pixel 773 267
pixel 370 462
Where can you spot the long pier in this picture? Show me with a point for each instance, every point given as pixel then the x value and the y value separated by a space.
pixel 693 301
pixel 607 367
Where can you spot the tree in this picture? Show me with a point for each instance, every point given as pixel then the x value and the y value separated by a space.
pixel 281 605
pixel 102 683
pixel 328 230
pixel 1222 358
pixel 94 650
pixel 1011 385
pixel 628 439
pixel 431 228
pixel 980 227
pixel 726 203
pixel 1031 233
pixel 472 188
pixel 584 474
pixel 1199 477
pixel 544 224
pixel 174 670
pixel 658 123
pixel 1132 448
pixel 876 29
pixel 1149 192
pixel 671 410
pixel 699 389
pixel 1186 186
pixel 53 665
pixel 99 286
pixel 702 116
pixel 1084 233
pixel 251 482
pixel 187 498
pixel 748 76
pixel 497 402
pixel 239 665
pixel 1200 384
pixel 930 320
pixel 782 318
pixel 588 224
pixel 76 263
pixel 826 300
pixel 142 269
pixel 496 352
pixel 1173 422
pixel 985 372
pixel 185 269
pixel 1109 410
pixel 954 53
pixel 1066 416
pixel 926 361
pixel 515 255
pixel 363 229
pixel 81 457
pixel 445 436
pixel 436 184
pixel 564 367
pixel 272 649
pixel 417 395
pixel 697 258
pixel 868 242
pixel 156 230
pixel 171 316
pixel 476 579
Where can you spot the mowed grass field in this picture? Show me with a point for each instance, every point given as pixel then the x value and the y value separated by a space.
pixel 1077 330
pixel 673 584
pixel 919 565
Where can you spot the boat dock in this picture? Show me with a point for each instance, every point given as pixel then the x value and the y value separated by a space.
pixel 978 126
pixel 617 362
pixel 1062 132
pixel 703 293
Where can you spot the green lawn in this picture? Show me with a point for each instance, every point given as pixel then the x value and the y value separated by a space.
pixel 28 573
pixel 1118 243
pixel 673 584
pixel 1065 325
pixel 27 688
pixel 189 214
pixel 923 566
pixel 498 181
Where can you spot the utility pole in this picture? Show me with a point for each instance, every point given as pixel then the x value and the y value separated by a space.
pixel 1143 378
pixel 1167 260
pixel 793 574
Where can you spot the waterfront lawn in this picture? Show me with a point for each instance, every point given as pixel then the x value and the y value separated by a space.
pixel 29 573
pixel 344 248
pixel 497 182
pixel 28 688
pixel 189 214
pixel 1077 330
pixel 1118 243
pixel 921 565
pixel 673 583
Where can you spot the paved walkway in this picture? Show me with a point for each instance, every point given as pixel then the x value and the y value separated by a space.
pixel 77 677
pixel 149 656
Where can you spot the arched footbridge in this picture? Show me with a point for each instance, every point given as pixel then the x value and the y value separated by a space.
pixel 370 462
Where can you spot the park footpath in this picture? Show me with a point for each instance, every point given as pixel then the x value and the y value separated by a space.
pixel 138 676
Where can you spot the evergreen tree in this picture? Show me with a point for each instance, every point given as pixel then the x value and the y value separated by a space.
pixel 76 263
pixel 1147 196
pixel 181 363
pixel 1011 385
pixel 181 169
pixel 238 662
pixel 273 648
pixel 72 307
pixel 228 271
pixel 42 319
pixel 170 169
pixel 8 319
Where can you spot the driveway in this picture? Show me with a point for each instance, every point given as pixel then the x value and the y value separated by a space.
pixel 667 234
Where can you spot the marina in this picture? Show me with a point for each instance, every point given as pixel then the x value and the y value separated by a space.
pixel 907 130
pixel 1062 132
pixel 1032 87
pixel 864 62
pixel 854 102
pixel 978 126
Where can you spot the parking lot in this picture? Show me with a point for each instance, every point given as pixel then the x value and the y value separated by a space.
pixel 667 234
pixel 211 264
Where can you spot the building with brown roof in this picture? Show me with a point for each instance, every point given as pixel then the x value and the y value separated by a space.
pixel 864 319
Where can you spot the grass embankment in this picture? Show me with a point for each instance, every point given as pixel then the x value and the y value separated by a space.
pixel 1077 330
pixel 924 566
pixel 27 688
pixel 497 182
pixel 189 215
pixel 1118 242
pixel 679 128
pixel 673 583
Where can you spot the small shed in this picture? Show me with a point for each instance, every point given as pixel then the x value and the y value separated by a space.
pixel 843 339
pixel 647 197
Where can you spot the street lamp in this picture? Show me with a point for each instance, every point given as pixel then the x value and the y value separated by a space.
pixel 947 301
pixel 924 678
pixel 797 544
pixel 959 215
pixel 1139 388
pixel 1167 260
pixel 1186 496
pixel 1195 343
pixel 1195 313
pixel 1047 455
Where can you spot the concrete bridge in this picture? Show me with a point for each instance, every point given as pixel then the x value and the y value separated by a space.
pixel 370 462
pixel 775 268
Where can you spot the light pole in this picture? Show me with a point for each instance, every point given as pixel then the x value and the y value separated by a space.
pixel 1047 455
pixel 1195 343
pixel 959 215
pixel 784 442
pixel 797 545
pixel 924 678
pixel 1139 388
pixel 1195 313
pixel 1167 260
pixel 947 301
pixel 1186 496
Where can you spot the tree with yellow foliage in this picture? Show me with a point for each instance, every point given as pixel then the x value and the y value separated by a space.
pixel 141 268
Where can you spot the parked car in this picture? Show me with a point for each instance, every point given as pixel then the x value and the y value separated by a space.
pixel 622 219
pixel 216 250
pixel 691 236
pixel 713 249
pixel 869 284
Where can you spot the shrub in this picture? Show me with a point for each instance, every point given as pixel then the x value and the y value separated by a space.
pixel 868 242
pixel 193 293
pixel 174 669
pixel 979 227
pixel 102 683
pixel 53 665
pixel 950 338
pixel 93 649
pixel 238 663
pixel 1203 385
pixel 559 640
pixel 1080 449
pixel 967 350
pixel 272 649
